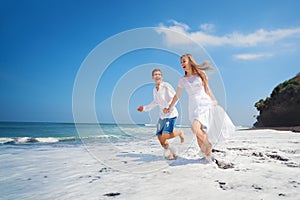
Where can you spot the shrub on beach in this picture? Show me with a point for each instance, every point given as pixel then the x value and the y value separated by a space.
pixel 282 108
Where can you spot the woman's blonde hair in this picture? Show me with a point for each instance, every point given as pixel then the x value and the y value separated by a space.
pixel 199 70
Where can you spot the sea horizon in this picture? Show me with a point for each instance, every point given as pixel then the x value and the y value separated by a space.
pixel 18 132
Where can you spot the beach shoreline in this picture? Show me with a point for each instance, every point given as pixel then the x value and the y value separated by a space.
pixel 259 163
pixel 295 129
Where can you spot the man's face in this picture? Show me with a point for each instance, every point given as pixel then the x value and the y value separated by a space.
pixel 157 77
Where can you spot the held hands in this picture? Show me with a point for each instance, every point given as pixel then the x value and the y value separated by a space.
pixel 140 109
pixel 166 110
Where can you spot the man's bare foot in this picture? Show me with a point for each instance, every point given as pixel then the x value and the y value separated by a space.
pixel 172 156
pixel 170 153
pixel 181 135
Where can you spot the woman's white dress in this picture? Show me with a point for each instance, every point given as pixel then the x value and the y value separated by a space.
pixel 217 123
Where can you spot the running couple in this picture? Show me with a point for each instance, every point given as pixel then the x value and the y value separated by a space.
pixel 208 120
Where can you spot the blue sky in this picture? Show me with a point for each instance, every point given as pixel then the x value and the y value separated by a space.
pixel 255 45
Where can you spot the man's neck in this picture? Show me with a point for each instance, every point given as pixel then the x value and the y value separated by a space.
pixel 157 86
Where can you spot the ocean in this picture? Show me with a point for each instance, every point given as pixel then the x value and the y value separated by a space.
pixel 37 133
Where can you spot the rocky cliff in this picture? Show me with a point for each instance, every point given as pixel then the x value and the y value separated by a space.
pixel 282 108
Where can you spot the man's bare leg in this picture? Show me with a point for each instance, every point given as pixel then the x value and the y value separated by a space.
pixel 164 143
pixel 175 133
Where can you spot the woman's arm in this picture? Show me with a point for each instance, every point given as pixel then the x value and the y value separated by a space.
pixel 207 88
pixel 209 92
pixel 174 100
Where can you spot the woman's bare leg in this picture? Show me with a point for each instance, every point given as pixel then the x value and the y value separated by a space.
pixel 202 139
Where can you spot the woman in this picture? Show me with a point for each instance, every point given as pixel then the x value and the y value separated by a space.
pixel 209 121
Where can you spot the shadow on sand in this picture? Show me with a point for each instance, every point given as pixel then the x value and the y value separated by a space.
pixel 184 161
pixel 140 157
pixel 176 162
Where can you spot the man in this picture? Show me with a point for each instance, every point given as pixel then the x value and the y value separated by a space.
pixel 163 94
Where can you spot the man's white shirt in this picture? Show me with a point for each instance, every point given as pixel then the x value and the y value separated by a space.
pixel 162 98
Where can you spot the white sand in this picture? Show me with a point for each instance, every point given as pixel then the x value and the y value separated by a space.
pixel 266 165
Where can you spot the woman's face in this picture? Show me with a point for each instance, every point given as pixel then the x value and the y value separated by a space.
pixel 185 63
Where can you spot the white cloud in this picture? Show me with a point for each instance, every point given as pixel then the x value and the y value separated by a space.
pixel 237 39
pixel 250 56
pixel 177 35
pixel 180 25
pixel 207 27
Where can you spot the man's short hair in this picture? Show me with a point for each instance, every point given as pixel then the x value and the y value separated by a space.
pixel 156 70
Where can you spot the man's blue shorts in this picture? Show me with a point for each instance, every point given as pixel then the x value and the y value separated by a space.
pixel 165 125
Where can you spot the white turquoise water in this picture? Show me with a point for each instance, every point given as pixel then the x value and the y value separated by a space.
pixel 20 133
